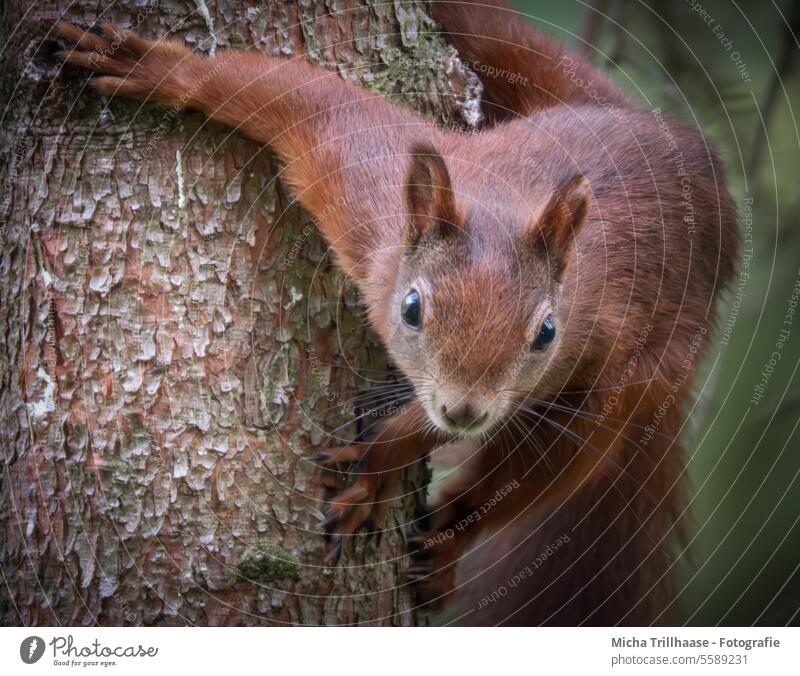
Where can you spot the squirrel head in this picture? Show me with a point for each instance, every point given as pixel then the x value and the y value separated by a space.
pixel 473 317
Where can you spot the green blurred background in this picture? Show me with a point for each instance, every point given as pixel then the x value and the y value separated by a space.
pixel 735 74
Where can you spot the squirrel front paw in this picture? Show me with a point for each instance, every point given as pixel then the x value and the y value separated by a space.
pixel 360 507
pixel 128 64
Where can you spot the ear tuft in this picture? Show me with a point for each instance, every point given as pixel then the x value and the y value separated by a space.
pixel 429 195
pixel 562 219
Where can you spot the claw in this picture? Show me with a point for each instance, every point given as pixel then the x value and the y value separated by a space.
pixel 334 553
pixel 344 455
pixel 329 524
pixel 81 38
pixel 356 509
pixel 416 543
pixel 423 519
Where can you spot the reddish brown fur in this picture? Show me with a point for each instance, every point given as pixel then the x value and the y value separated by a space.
pixel 530 70
pixel 512 202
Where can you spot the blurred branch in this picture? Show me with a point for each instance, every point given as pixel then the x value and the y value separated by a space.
pixel 786 62
pixel 618 17
pixel 596 14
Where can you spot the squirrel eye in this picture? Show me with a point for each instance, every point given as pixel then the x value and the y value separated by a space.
pixel 546 334
pixel 411 310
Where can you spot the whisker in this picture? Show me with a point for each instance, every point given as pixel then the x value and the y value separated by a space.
pixel 385 386
pixel 519 449
pixel 377 400
pixel 627 423
pixel 593 389
pixel 350 367
pixel 355 420
pixel 370 395
pixel 380 396
pixel 595 417
pixel 586 442
pixel 543 454
pixel 529 435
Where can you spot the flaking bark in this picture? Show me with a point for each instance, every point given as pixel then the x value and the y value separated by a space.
pixel 175 337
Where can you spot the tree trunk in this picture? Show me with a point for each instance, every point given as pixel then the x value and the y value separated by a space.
pixel 175 338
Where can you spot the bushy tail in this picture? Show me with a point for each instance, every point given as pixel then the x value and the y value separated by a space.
pixel 522 70
pixel 602 558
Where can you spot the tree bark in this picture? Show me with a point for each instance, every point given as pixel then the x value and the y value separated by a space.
pixel 175 337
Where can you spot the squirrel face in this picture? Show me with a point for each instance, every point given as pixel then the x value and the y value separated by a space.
pixel 473 317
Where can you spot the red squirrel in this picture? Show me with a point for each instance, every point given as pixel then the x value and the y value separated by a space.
pixel 547 286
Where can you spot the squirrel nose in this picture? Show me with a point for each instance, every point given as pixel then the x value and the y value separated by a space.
pixel 462 415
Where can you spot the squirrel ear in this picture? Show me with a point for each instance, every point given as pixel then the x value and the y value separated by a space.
pixel 562 219
pixel 429 195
